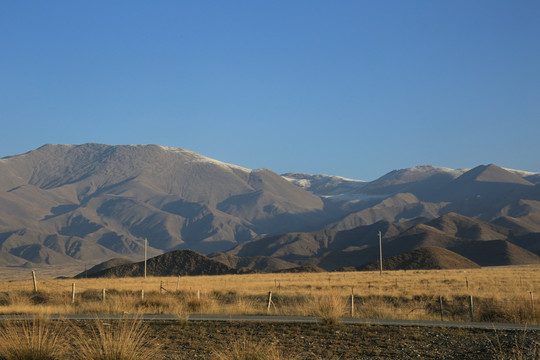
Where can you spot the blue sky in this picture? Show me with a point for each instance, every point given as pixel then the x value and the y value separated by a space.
pixel 350 88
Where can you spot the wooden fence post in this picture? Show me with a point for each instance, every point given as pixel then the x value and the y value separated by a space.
pixel 73 293
pixel 198 294
pixel 352 305
pixel 269 302
pixel 34 280
pixel 103 292
pixel 142 294
pixel 471 308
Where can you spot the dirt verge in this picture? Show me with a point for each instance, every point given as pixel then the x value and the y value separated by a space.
pixel 194 339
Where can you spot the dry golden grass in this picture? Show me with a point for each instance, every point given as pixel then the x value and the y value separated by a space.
pixel 329 308
pixel 37 339
pixel 42 339
pixel 115 340
pixel 500 294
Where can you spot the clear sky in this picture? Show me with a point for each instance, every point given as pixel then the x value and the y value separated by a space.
pixel 351 88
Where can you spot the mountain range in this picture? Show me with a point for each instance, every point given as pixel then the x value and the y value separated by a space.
pixel 79 204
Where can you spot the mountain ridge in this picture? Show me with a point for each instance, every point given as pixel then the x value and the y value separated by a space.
pixel 92 202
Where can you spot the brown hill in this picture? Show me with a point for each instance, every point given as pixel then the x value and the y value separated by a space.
pixel 426 258
pixel 104 266
pixel 396 208
pixel 520 206
pixel 295 246
pixel 174 263
pixel 496 253
pixel 523 225
pixel 484 243
pixel 301 269
pixel 468 228
pixel 530 242
pixel 260 263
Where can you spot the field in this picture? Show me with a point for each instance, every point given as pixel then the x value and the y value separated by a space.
pixel 499 294
pixel 504 294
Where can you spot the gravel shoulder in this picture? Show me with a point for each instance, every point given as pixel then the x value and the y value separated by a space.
pixel 198 339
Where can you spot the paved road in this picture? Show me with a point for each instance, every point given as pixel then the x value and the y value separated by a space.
pixel 290 319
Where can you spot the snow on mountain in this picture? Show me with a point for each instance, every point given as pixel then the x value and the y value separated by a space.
pixel 342 189
pixel 202 159
pixel 532 177
pixel 328 186
pixel 417 173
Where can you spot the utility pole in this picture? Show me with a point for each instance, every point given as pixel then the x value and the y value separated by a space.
pixel 145 255
pixel 380 252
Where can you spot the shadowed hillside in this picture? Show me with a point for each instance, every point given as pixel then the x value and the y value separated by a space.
pixel 174 263
pixel 480 242
pixel 426 258
pixel 260 263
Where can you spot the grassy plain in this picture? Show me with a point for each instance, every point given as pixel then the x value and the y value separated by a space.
pixel 500 294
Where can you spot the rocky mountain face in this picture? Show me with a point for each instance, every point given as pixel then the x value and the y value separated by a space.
pixel 83 204
pixel 91 202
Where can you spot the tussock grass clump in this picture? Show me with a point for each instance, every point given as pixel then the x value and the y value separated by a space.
pixel 40 298
pixel 329 308
pixel 490 310
pixel 90 295
pixel 5 299
pixel 160 304
pixel 381 307
pixel 37 339
pixel 249 350
pixel 202 304
pixel 116 340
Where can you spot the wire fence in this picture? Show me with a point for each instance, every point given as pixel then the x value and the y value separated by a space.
pixel 166 296
pixel 523 309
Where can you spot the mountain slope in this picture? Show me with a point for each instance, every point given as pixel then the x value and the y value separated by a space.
pixel 483 243
pixel 88 203
pixel 107 199
pixel 295 246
